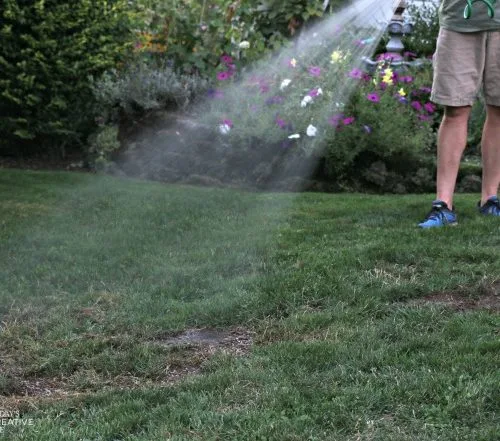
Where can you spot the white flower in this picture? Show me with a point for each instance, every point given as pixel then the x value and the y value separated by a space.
pixel 311 130
pixel 306 100
pixel 320 91
pixel 244 45
pixel 285 84
pixel 295 136
pixel 224 128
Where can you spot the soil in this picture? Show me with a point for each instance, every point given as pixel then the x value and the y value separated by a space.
pixel 486 298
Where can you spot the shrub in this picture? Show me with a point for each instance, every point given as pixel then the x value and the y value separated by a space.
pixel 302 107
pixel 48 49
pixel 144 86
pixel 384 135
pixel 189 37
pixel 424 16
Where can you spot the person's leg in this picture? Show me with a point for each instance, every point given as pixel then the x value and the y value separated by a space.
pixel 451 142
pixel 490 149
pixel 458 66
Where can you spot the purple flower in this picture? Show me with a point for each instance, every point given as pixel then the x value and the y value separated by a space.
pixel 215 93
pixel 373 97
pixel 389 56
pixel 226 59
pixel 424 117
pixel 367 129
pixel 315 71
pixel 403 99
pixel 429 107
pixel 275 100
pixel 227 122
pixel 281 123
pixel 425 89
pixel 314 93
pixel 349 120
pixel 222 76
pixel 356 73
pixel 416 105
pixel 406 79
pixel 335 119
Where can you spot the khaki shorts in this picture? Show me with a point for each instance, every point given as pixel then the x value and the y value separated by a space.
pixel 463 63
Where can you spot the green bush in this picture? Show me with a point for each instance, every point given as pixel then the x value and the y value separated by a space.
pixel 384 136
pixel 144 86
pixel 48 50
pixel 424 16
pixel 374 142
pixel 193 38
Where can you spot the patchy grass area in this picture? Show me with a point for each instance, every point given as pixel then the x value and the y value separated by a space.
pixel 138 311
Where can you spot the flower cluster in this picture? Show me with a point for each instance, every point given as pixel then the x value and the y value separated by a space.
pixel 299 100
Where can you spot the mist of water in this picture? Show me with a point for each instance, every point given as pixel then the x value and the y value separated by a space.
pixel 253 131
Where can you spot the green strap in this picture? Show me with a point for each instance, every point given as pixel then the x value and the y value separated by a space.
pixel 489 4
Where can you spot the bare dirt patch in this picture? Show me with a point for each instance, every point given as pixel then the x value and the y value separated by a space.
pixel 486 297
pixel 188 351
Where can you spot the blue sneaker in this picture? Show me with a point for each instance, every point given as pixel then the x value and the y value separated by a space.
pixel 439 216
pixel 491 207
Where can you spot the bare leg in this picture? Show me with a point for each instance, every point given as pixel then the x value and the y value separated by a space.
pixel 490 147
pixel 452 139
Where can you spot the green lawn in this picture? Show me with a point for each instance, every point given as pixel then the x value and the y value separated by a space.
pixel 336 292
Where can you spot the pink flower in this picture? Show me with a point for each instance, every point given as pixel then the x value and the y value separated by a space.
pixel 264 88
pixel 416 105
pixel 373 97
pixel 227 122
pixel 356 73
pixel 424 117
pixel 315 71
pixel 429 107
pixel 314 93
pixel 222 76
pixel 226 59
pixel 349 120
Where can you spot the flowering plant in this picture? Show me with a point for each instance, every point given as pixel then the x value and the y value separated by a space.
pixel 309 103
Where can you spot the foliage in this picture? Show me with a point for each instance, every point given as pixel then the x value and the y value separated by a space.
pixel 391 133
pixel 303 107
pixel 145 86
pixel 102 144
pixel 424 16
pixel 190 36
pixel 475 129
pixel 47 51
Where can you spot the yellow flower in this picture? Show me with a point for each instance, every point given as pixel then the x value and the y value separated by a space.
pixel 387 78
pixel 402 92
pixel 337 56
